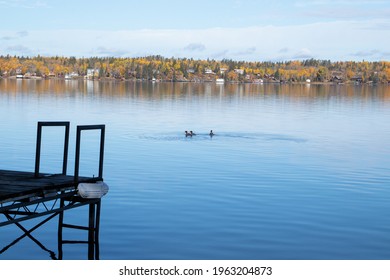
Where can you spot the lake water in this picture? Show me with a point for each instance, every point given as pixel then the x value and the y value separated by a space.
pixel 293 171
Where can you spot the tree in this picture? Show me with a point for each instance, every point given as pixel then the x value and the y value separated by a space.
pixel 322 74
pixel 277 74
pixel 387 74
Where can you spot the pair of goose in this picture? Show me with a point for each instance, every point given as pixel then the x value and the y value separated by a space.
pixel 191 133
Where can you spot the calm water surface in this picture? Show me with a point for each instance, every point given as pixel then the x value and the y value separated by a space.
pixel 293 172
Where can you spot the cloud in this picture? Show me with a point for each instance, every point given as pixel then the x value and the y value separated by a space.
pixel 19 49
pixel 365 53
pixel 6 38
pixel 286 54
pixel 22 33
pixel 303 54
pixel 19 34
pixel 195 47
pixel 220 54
pixel 248 51
pixel 109 51
pixel 372 53
pixel 284 50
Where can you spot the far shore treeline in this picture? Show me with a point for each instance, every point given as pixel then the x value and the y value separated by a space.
pixel 158 68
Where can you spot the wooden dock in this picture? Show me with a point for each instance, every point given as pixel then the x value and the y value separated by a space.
pixel 19 185
pixel 29 195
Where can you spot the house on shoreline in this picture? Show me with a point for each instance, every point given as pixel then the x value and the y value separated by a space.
pixel 92 74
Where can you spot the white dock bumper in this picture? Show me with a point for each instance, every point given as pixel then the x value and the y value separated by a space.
pixel 93 190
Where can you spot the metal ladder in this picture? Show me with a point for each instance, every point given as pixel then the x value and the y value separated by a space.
pixel 94 204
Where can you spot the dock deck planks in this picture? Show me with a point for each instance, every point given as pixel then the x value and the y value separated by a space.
pixel 15 185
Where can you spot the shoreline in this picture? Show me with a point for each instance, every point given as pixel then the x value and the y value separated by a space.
pixel 38 78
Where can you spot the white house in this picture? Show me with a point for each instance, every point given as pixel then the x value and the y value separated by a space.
pixel 92 73
pixel 239 71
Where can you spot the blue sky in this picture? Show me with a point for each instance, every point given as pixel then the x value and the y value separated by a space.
pixel 240 30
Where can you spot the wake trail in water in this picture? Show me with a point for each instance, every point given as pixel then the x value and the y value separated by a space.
pixel 223 136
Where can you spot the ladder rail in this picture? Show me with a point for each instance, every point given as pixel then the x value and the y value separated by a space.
pixel 66 124
pixel 81 128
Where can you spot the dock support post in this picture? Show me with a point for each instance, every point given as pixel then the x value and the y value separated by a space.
pixel 91 232
pixel 60 226
pixel 94 208
pixel 97 227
